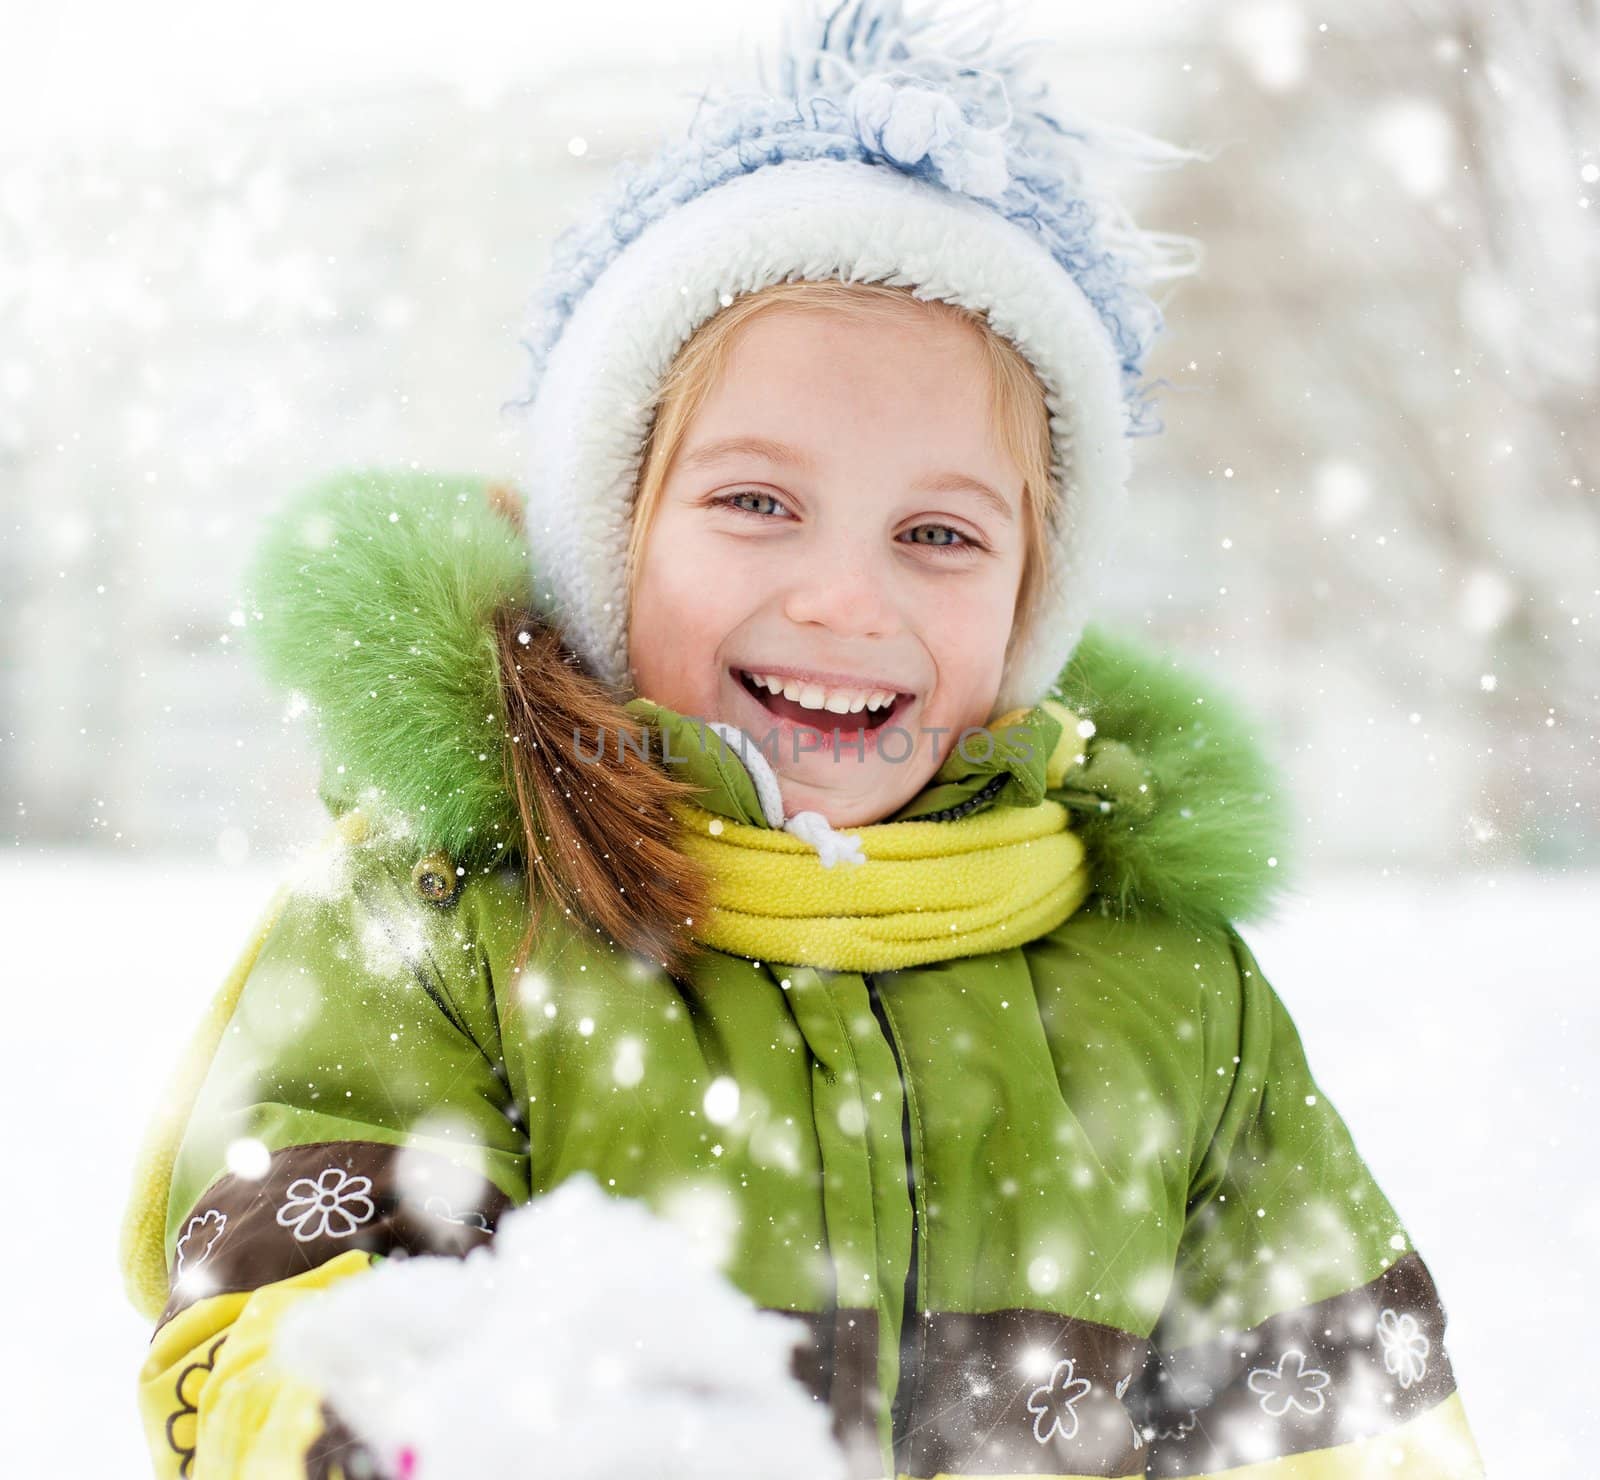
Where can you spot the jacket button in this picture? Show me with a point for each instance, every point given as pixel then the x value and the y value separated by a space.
pixel 436 879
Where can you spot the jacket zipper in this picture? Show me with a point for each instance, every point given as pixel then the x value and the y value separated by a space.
pixel 901 1410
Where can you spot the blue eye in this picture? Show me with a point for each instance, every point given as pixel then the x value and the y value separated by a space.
pixel 727 500
pixel 960 544
pixel 945 546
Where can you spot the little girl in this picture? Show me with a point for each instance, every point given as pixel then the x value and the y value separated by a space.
pixel 750 817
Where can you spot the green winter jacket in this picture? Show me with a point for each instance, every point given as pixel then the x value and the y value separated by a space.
pixel 1073 1206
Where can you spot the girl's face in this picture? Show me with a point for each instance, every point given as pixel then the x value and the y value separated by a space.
pixel 837 518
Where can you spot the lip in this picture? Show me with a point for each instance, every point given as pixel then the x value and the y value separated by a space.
pixel 821 741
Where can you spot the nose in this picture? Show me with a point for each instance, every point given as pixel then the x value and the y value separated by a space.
pixel 843 590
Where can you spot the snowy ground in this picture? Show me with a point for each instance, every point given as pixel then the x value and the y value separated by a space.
pixel 1452 1022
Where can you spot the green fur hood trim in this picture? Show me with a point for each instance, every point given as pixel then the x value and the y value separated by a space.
pixel 1176 802
pixel 371 594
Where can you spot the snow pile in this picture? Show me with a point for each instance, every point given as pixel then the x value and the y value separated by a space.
pixel 590 1339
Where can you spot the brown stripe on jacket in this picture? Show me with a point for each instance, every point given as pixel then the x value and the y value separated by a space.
pixel 315 1202
pixel 1333 1372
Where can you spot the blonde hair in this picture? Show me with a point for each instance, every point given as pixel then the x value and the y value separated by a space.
pixel 1017 406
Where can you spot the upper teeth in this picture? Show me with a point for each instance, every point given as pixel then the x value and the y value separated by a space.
pixel 816 696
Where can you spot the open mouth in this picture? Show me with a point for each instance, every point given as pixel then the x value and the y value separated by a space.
pixel 866 717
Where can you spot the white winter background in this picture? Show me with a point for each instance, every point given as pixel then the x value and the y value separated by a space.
pixel 241 248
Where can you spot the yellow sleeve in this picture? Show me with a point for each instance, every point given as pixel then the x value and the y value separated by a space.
pixel 214 1406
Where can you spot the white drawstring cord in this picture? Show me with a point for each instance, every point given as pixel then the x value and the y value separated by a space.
pixel 810 827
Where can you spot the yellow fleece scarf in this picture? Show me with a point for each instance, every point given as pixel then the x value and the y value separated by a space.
pixel 929 891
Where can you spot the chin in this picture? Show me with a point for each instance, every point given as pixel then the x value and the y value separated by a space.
pixel 842 811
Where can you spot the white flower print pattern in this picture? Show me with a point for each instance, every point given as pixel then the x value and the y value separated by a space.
pixel 1053 1403
pixel 1405 1348
pixel 1281 1388
pixel 1185 1425
pixel 442 1210
pixel 199 1239
pixel 335 1205
pixel 1138 1433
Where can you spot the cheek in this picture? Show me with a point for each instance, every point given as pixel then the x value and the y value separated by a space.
pixel 970 621
pixel 685 603
pixel 684 584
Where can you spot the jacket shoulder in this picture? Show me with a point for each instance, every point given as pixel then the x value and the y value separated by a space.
pixel 1158 991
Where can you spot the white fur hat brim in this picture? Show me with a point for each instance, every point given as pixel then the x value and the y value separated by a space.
pixel 814 219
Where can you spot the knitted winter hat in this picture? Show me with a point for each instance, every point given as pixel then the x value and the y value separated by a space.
pixel 902 149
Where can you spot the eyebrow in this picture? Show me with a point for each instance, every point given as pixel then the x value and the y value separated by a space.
pixel 964 483
pixel 774 451
pixel 763 447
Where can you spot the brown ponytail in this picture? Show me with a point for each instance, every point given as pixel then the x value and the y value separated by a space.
pixel 600 841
